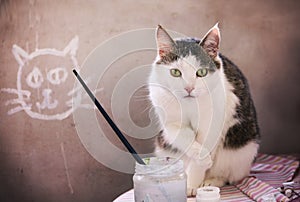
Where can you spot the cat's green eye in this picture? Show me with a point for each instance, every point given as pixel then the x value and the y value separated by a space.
pixel 175 72
pixel 201 72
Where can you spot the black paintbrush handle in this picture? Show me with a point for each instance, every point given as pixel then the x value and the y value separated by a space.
pixel 109 120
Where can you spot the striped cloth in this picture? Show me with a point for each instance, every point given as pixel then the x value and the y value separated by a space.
pixel 267 174
pixel 274 169
pixel 231 194
pixel 258 190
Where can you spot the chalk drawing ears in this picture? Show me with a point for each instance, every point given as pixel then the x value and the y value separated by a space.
pixel 72 47
pixel 20 55
pixel 211 41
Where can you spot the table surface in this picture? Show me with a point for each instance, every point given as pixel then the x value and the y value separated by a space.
pixel 129 197
pixel 267 174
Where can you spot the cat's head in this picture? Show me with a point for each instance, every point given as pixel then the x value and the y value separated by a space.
pixel 184 66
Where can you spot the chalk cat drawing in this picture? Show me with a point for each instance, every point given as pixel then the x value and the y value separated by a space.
pixel 43 90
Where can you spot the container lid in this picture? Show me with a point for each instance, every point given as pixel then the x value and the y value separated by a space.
pixel 208 192
pixel 160 166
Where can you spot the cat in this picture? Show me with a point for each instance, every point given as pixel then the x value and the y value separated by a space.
pixel 182 80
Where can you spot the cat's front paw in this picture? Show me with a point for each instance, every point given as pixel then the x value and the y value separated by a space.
pixel 191 191
pixel 199 153
pixel 217 182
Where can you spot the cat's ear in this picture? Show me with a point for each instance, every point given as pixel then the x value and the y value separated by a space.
pixel 211 41
pixel 20 54
pixel 72 47
pixel 165 44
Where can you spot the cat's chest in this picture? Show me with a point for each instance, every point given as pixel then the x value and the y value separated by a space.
pixel 191 112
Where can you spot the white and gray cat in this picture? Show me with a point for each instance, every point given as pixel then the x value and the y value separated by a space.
pixel 180 91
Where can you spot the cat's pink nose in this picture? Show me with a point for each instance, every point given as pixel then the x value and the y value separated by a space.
pixel 189 89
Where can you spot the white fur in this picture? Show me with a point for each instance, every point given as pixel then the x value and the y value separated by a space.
pixel 186 122
pixel 231 165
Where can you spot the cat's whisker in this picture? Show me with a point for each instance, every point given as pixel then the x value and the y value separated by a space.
pixel 78 88
pixel 140 96
pixel 73 102
pixel 98 90
pixel 18 109
pixel 143 89
pixel 74 90
pixel 69 103
pixel 167 101
pixel 143 92
pixel 150 106
pixel 145 95
pixel 14 101
pixel 147 108
pixel 141 99
pixel 86 106
pixel 157 121
pixel 179 92
pixel 16 91
pixel 76 102
pixel 94 92
pixel 9 90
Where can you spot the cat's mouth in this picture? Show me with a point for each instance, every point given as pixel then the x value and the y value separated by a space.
pixel 48 101
pixel 189 96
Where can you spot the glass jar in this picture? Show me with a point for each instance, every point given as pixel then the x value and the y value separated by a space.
pixel 161 179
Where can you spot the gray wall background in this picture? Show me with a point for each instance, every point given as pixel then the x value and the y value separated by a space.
pixel 45 160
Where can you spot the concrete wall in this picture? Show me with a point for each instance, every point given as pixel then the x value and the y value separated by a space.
pixel 44 160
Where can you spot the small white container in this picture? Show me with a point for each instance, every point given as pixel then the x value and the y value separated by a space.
pixel 208 194
pixel 161 179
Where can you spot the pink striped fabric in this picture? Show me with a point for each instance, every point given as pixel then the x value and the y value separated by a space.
pixel 267 174
pixel 231 194
pixel 274 169
pixel 258 190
